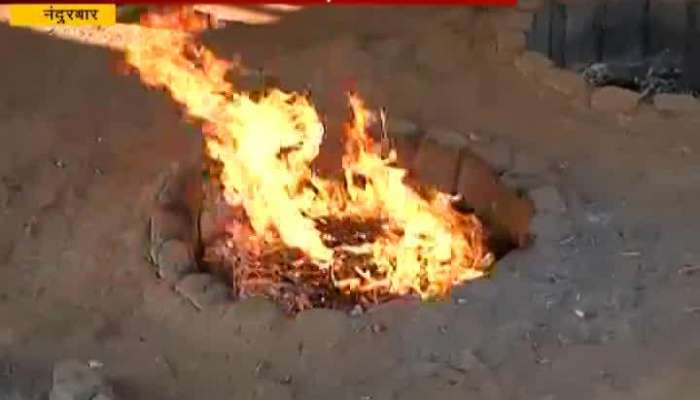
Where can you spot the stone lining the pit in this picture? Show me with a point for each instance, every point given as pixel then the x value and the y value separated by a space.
pixel 518 199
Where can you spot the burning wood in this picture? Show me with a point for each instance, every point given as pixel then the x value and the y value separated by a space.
pixel 292 235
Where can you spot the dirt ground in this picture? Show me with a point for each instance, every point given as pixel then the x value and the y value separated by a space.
pixel 603 315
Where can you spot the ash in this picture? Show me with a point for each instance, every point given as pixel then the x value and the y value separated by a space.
pixel 287 276
pixel 655 75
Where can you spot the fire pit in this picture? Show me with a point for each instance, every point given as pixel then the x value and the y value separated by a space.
pixel 285 232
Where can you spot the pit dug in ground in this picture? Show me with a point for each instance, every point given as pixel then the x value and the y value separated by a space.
pixel 292 235
pixel 292 279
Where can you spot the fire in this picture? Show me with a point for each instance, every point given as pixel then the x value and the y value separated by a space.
pixel 265 146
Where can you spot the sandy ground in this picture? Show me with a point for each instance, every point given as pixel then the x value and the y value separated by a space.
pixel 82 147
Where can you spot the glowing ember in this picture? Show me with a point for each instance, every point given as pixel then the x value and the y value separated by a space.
pixel 369 233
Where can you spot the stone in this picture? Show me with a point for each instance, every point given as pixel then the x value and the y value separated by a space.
pixel 565 82
pixel 497 154
pixel 614 99
pixel 505 213
pixel 166 224
pixel 534 64
pixel 550 227
pixel 203 290
pixel 180 187
pixel 530 5
pixel 509 42
pixel 517 20
pixel 209 226
pixel 677 103
pixel 437 165
pixel 513 214
pixel 478 182
pixel 548 200
pixel 74 380
pixel 175 260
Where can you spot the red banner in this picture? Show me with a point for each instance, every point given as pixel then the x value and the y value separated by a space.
pixel 499 3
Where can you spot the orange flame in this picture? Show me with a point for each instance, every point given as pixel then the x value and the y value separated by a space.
pixel 266 146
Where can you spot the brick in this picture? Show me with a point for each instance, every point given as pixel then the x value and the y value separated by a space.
pixel 497 154
pixel 437 164
pixel 165 224
pixel 614 99
pixel 180 187
pixel 512 215
pixel 477 182
pixel 175 259
pixel 506 214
